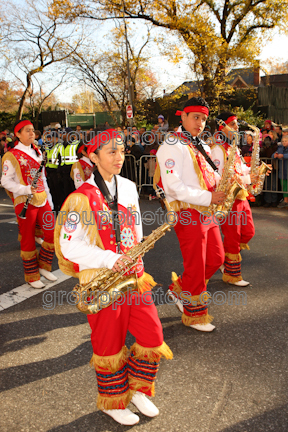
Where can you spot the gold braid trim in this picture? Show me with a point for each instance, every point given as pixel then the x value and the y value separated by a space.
pixel 11 158
pixel 28 255
pixel 136 384
pixel 244 246
pixel 197 169
pixel 233 257
pixel 37 199
pixel 157 175
pixel 79 203
pixel 79 166
pixel 176 285
pixel 203 319
pixel 227 278
pixel 151 354
pixel 114 402
pixel 111 363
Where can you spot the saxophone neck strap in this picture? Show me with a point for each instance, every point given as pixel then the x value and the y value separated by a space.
pixel 112 204
pixel 197 143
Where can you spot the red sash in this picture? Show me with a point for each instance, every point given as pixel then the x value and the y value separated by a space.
pixel 98 204
pixel 87 169
pixel 28 168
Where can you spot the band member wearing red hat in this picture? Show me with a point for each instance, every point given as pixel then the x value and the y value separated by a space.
pixel 239 232
pixel 188 177
pixel 19 167
pixel 82 250
pixel 81 170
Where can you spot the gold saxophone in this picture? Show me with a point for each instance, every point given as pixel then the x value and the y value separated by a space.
pixel 256 169
pixel 231 189
pixel 107 286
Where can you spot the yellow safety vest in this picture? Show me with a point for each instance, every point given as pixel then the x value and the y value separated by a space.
pixel 70 154
pixel 52 155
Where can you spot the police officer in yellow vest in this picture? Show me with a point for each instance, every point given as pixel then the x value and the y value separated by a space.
pixel 54 149
pixel 67 157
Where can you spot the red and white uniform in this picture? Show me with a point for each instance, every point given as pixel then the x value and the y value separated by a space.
pixel 81 171
pixel 19 167
pixel 237 232
pixel 188 181
pixel 84 248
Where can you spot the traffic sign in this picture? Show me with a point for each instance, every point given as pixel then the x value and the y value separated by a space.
pixel 129 111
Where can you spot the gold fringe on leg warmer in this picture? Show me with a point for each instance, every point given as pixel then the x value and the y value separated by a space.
pixel 111 363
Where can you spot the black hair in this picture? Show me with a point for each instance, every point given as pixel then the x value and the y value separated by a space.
pixel 225 115
pixel 196 101
pixel 17 122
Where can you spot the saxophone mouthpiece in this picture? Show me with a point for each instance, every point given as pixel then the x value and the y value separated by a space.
pixel 243 123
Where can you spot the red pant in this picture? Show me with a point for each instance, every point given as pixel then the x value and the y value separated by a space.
pixel 118 377
pixel 109 327
pixel 202 251
pixel 42 216
pixel 238 230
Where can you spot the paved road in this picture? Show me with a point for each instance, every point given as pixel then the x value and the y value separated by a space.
pixel 234 379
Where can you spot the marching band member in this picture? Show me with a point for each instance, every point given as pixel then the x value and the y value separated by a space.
pixel 81 170
pixel 189 183
pixel 82 250
pixel 19 168
pixel 238 232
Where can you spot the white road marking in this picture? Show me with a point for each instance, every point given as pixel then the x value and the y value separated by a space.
pixel 11 221
pixel 7 205
pixel 23 292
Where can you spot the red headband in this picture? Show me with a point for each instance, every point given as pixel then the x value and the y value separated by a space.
pixel 194 108
pixel 21 125
pixel 230 119
pixel 103 138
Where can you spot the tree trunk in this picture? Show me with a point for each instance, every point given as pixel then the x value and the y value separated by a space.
pixel 23 98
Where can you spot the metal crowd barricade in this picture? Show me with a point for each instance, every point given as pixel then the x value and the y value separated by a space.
pixel 272 182
pixel 147 165
pixel 129 169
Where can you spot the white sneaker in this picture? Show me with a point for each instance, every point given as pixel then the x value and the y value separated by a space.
pixel 124 417
pixel 203 327
pixel 144 405
pixel 48 275
pixel 37 284
pixel 39 240
pixel 222 268
pixel 241 283
pixel 176 300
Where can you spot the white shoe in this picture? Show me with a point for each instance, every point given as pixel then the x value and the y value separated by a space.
pixel 144 405
pixel 124 417
pixel 222 268
pixel 48 275
pixel 203 327
pixel 39 240
pixel 37 284
pixel 241 283
pixel 176 300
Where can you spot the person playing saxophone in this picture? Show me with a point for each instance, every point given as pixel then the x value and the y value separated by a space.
pixel 83 247
pixel 239 229
pixel 189 180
